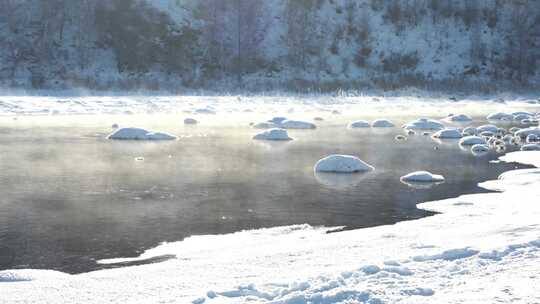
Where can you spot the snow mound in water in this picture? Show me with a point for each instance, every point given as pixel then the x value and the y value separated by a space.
pixel 500 116
pixel 382 123
pixel 264 125
pixel 488 128
pixel 205 111
pixel 479 149
pixel 459 118
pixel 424 124
pixel 448 133
pixel 277 119
pixel 273 134
pixel 25 275
pixel 472 140
pixel 422 177
pixel 342 164
pixel 296 124
pixel 530 147
pixel 190 121
pixel 470 131
pixel 523 133
pixel 359 124
pixel 139 134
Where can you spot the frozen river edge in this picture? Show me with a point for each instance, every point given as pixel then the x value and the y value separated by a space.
pixel 482 248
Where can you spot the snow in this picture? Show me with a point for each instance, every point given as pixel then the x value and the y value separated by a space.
pixel 422 176
pixel 296 124
pixel 342 164
pixel 359 124
pixel 424 124
pixel 448 133
pixel 481 248
pixel 273 134
pixel 472 140
pixel 139 134
pixel 382 123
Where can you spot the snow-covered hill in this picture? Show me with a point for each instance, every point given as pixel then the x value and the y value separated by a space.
pixel 276 44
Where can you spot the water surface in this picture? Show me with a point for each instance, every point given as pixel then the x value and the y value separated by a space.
pixel 71 197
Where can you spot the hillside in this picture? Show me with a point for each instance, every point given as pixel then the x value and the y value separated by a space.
pixel 266 45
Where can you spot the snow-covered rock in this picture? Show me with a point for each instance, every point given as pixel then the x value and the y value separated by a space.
pixel 479 149
pixel 448 133
pixel 273 134
pixel 489 128
pixel 472 140
pixel 205 111
pixel 500 116
pixel 382 123
pixel 190 121
pixel 359 124
pixel 422 177
pixel 470 131
pixel 459 118
pixel 530 147
pixel 424 124
pixel 523 133
pixel 277 119
pixel 296 124
pixel 265 125
pixel 139 134
pixel 342 164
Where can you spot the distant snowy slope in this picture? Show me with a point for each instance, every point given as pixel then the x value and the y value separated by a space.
pixel 283 44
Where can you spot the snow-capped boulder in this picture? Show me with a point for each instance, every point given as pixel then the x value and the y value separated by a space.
pixel 273 134
pixel 277 119
pixel 472 140
pixel 532 139
pixel 459 118
pixel 479 149
pixel 422 177
pixel 264 125
pixel 500 116
pixel 342 164
pixel 424 124
pixel 359 124
pixel 490 128
pixel 115 126
pixel 190 121
pixel 205 111
pixel 530 147
pixel 522 116
pixel 296 124
pixel 523 133
pixel 139 134
pixel 382 123
pixel 448 133
pixel 469 131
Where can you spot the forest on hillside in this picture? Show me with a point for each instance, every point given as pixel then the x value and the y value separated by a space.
pixel 268 44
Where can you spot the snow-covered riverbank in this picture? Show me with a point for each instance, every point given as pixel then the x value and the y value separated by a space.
pixel 482 248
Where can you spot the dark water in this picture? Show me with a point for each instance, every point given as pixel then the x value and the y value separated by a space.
pixel 70 197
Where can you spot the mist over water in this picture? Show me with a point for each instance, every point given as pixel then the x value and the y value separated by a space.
pixel 71 197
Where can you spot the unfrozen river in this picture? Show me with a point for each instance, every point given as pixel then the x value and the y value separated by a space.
pixel 70 197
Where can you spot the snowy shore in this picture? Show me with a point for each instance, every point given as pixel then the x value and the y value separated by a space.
pixel 481 248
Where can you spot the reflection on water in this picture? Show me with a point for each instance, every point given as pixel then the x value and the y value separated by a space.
pixel 70 197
